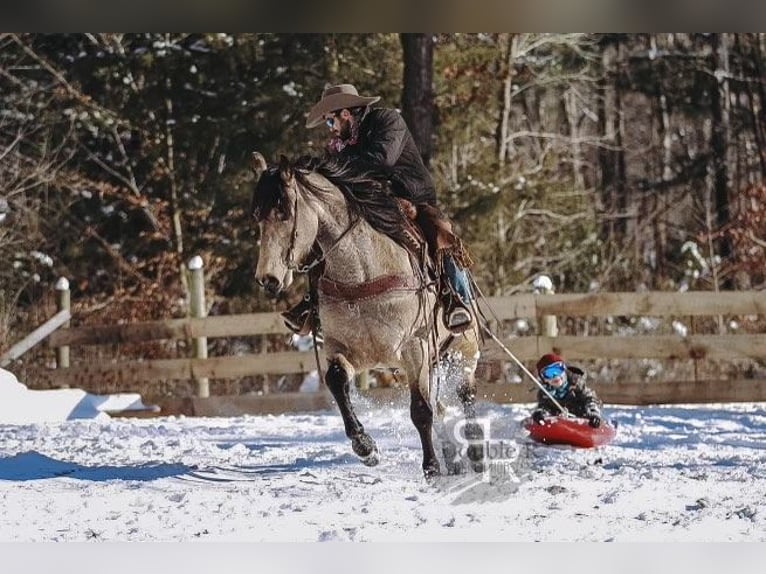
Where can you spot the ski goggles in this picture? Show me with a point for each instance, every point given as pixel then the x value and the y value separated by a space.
pixel 553 371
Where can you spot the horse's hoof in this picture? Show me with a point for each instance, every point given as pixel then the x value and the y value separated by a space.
pixel 452 460
pixel 475 454
pixel 431 470
pixel 372 459
pixel 364 447
pixel 473 432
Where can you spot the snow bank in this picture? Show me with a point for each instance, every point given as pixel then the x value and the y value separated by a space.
pixel 19 405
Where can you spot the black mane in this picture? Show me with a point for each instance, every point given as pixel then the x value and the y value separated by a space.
pixel 268 197
pixel 368 193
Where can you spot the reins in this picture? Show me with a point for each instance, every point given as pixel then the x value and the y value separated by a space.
pixel 320 372
pixel 507 351
pixel 321 257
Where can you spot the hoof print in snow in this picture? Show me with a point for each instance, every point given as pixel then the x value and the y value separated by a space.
pixel 556 489
pixel 699 504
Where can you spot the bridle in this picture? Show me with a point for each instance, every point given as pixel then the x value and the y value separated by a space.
pixel 290 259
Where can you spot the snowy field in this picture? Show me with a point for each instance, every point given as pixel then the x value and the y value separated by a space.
pixel 693 473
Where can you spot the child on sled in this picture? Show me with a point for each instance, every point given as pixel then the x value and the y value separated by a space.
pixel 567 385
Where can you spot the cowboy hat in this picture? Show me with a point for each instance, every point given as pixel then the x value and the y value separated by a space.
pixel 337 98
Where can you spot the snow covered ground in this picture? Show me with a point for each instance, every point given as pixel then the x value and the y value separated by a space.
pixel 672 474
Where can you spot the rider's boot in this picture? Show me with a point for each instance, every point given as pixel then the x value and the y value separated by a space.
pixel 456 315
pixel 299 318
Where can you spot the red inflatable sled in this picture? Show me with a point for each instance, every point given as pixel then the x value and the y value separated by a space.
pixel 569 431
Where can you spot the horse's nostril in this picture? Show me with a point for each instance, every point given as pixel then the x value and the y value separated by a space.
pixel 271 285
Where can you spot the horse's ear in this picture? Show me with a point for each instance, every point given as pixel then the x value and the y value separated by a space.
pixel 285 171
pixel 258 164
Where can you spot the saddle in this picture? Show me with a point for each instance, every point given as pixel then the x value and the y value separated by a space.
pixel 429 226
pixel 430 239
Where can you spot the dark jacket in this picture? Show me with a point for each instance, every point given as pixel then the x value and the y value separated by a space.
pixel 386 146
pixel 579 399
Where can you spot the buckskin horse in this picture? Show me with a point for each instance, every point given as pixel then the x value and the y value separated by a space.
pixel 375 303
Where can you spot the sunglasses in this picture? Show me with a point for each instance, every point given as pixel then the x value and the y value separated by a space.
pixel 552 371
pixel 331 120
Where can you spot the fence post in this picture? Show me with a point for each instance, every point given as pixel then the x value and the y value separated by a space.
pixel 548 325
pixel 63 302
pixel 198 310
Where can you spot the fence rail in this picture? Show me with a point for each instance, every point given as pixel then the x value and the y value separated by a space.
pixel 648 303
pixel 527 348
pixel 35 337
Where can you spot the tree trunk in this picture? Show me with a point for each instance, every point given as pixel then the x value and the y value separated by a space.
pixel 417 92
pixel 611 157
pixel 758 99
pixel 573 121
pixel 504 125
pixel 720 137
pixel 175 208
pixel 664 134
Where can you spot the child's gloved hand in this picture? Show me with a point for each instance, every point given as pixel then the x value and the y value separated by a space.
pixel 594 420
pixel 538 416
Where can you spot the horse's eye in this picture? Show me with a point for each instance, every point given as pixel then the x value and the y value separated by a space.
pixel 283 215
pixel 282 211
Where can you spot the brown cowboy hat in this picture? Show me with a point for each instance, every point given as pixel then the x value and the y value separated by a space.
pixel 337 98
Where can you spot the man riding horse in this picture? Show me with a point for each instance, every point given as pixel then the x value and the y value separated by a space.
pixel 377 140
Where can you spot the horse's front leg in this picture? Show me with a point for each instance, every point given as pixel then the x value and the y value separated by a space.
pixel 338 380
pixel 421 413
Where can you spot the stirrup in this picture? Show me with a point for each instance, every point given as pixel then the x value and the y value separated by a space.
pixel 456 316
pixel 458 320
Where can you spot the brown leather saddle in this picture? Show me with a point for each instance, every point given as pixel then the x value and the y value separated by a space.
pixel 430 238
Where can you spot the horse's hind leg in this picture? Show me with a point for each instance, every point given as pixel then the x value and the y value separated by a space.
pixel 423 418
pixel 474 433
pixel 338 380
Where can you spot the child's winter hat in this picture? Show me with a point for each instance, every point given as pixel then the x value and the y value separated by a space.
pixel 548 359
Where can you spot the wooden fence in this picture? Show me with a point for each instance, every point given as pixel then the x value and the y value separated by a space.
pixel 686 306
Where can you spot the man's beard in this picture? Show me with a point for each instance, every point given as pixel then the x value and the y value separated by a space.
pixel 345 131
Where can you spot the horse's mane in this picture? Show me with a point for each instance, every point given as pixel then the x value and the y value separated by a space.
pixel 368 193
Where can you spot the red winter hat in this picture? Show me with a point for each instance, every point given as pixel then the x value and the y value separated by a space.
pixel 548 359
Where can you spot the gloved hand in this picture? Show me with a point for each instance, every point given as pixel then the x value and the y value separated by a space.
pixel 538 416
pixel 594 420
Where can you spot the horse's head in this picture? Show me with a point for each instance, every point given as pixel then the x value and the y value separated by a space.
pixel 288 225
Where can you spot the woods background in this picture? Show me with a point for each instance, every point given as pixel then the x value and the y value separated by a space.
pixel 610 162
